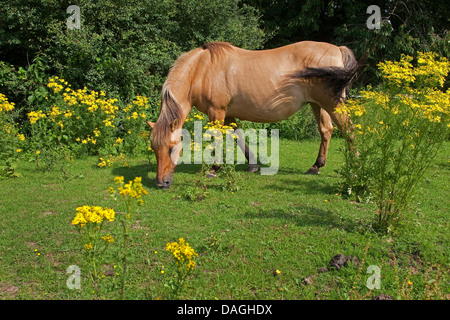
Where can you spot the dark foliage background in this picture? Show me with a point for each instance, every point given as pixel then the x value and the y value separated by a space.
pixel 126 48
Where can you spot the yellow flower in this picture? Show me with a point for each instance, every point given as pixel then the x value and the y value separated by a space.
pixel 132 189
pixel 119 180
pixel 34 116
pixel 183 253
pixel 108 238
pixel 93 214
pixel 4 104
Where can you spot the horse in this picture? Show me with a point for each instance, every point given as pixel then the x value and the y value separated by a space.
pixel 226 82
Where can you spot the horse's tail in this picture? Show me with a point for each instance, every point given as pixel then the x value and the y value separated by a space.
pixel 336 79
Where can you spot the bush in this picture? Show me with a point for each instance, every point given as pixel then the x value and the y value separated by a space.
pixel 398 130
pixel 86 122
pixel 11 141
pixel 124 48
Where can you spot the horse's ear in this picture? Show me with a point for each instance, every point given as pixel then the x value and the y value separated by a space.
pixel 151 124
pixel 174 124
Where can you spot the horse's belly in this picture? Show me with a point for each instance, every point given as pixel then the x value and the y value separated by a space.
pixel 271 108
pixel 258 114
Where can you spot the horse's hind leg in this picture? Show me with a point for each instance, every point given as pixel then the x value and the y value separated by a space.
pixel 325 129
pixel 345 125
pixel 252 163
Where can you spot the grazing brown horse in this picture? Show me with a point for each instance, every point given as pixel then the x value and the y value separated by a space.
pixel 226 82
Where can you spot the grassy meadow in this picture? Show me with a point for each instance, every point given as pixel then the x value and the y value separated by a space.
pixel 271 239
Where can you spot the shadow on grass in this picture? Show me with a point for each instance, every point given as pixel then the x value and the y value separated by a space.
pixel 305 185
pixel 148 172
pixel 303 216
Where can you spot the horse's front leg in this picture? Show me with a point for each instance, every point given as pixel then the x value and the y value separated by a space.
pixel 325 129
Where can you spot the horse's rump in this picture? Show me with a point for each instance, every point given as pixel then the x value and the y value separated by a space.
pixel 336 79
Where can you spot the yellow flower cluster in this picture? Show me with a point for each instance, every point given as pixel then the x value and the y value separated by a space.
pixel 132 189
pixel 5 105
pixel 220 127
pixel 83 100
pixel 108 238
pixel 429 71
pixel 351 108
pixel 34 116
pixel 57 84
pixel 110 160
pixel 425 101
pixel 141 101
pixel 398 73
pixel 195 146
pixel 195 116
pixel 136 108
pixel 104 163
pixel 92 214
pixel 85 116
pixel 183 254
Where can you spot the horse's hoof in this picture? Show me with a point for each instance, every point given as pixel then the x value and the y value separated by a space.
pixel 252 168
pixel 313 170
pixel 211 174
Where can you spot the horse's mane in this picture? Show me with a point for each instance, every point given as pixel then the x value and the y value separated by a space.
pixel 218 48
pixel 170 111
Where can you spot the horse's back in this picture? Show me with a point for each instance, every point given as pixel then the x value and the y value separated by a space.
pixel 256 85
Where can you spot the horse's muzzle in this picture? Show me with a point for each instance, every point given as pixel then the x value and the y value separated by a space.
pixel 164 184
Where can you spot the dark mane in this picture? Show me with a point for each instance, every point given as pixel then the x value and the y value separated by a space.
pixel 170 111
pixel 216 49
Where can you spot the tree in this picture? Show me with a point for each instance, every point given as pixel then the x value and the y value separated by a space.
pixel 407 26
pixel 123 47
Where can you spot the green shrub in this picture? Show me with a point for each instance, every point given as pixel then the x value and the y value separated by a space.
pixel 398 128
pixel 11 141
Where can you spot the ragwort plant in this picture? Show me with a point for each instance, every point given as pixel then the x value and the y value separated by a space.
pixel 87 122
pixel 217 145
pixel 398 130
pixel 11 140
pixel 130 195
pixel 90 221
pixel 184 263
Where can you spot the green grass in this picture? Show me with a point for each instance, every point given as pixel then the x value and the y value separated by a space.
pixel 289 221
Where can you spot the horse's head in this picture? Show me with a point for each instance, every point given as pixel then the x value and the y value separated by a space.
pixel 167 153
